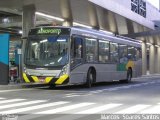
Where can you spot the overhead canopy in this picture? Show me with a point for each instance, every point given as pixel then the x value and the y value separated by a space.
pixel 114 16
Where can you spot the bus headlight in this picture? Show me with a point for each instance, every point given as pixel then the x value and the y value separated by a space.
pixel 64 70
pixel 24 69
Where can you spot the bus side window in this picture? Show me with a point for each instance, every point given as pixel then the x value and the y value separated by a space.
pixel 114 57
pixel 76 50
pixel 91 50
pixel 131 53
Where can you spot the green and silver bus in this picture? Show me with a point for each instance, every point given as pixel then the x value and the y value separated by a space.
pixel 74 55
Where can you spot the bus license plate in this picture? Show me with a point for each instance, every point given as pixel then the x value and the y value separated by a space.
pixel 42 79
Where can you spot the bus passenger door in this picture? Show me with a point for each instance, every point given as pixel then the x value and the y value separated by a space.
pixel 76 51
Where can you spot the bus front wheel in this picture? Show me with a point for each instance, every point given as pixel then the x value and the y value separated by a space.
pixel 52 86
pixel 91 78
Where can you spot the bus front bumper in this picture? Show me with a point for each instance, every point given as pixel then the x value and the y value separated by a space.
pixel 64 79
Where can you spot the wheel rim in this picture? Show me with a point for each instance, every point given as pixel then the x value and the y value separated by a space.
pixel 129 77
pixel 90 78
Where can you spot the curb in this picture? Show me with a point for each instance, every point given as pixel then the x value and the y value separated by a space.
pixel 147 77
pixel 20 86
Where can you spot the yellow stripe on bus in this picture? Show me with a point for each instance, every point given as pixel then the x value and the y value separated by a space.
pixel 25 78
pixel 48 79
pixel 35 78
pixel 62 79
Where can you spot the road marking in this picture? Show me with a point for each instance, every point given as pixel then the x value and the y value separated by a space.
pixel 87 112
pixel 145 83
pixel 87 94
pixel 107 89
pixel 2 98
pixel 137 85
pixel 73 95
pixel 22 110
pixel 76 95
pixel 21 104
pixel 62 109
pixel 99 109
pixel 153 110
pixel 126 87
pixel 11 100
pixel 92 108
pixel 153 82
pixel 133 109
pixel 70 117
pixel 56 110
pixel 97 91
pixel 70 94
pixel 113 89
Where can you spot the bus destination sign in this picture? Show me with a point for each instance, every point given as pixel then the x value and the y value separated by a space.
pixel 49 31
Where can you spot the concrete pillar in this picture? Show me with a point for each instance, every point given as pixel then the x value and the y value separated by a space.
pixel 158 60
pixel 93 18
pixel 152 59
pixel 28 22
pixel 158 54
pixel 66 12
pixel 144 58
pixel 111 20
pixel 130 27
pixel 102 18
pixel 28 19
pixel 121 24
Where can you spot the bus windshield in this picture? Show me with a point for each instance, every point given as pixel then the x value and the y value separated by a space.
pixel 45 50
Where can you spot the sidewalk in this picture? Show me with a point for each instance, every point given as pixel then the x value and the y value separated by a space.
pixel 151 75
pixel 147 77
pixel 20 86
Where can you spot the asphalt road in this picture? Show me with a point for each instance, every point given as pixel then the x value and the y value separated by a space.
pixel 141 96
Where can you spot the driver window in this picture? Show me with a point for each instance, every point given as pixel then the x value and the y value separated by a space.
pixel 76 50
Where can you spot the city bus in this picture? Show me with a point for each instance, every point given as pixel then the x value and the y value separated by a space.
pixel 76 55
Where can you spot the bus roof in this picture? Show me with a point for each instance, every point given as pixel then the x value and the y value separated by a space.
pixel 88 32
pixel 104 36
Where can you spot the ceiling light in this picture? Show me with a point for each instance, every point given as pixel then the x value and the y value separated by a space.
pixel 157 46
pixel 82 25
pixel 5 20
pixel 106 32
pixel 20 32
pixel 49 16
pixel 148 43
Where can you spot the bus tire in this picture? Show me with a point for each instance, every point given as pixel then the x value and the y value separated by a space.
pixel 91 77
pixel 52 86
pixel 129 75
